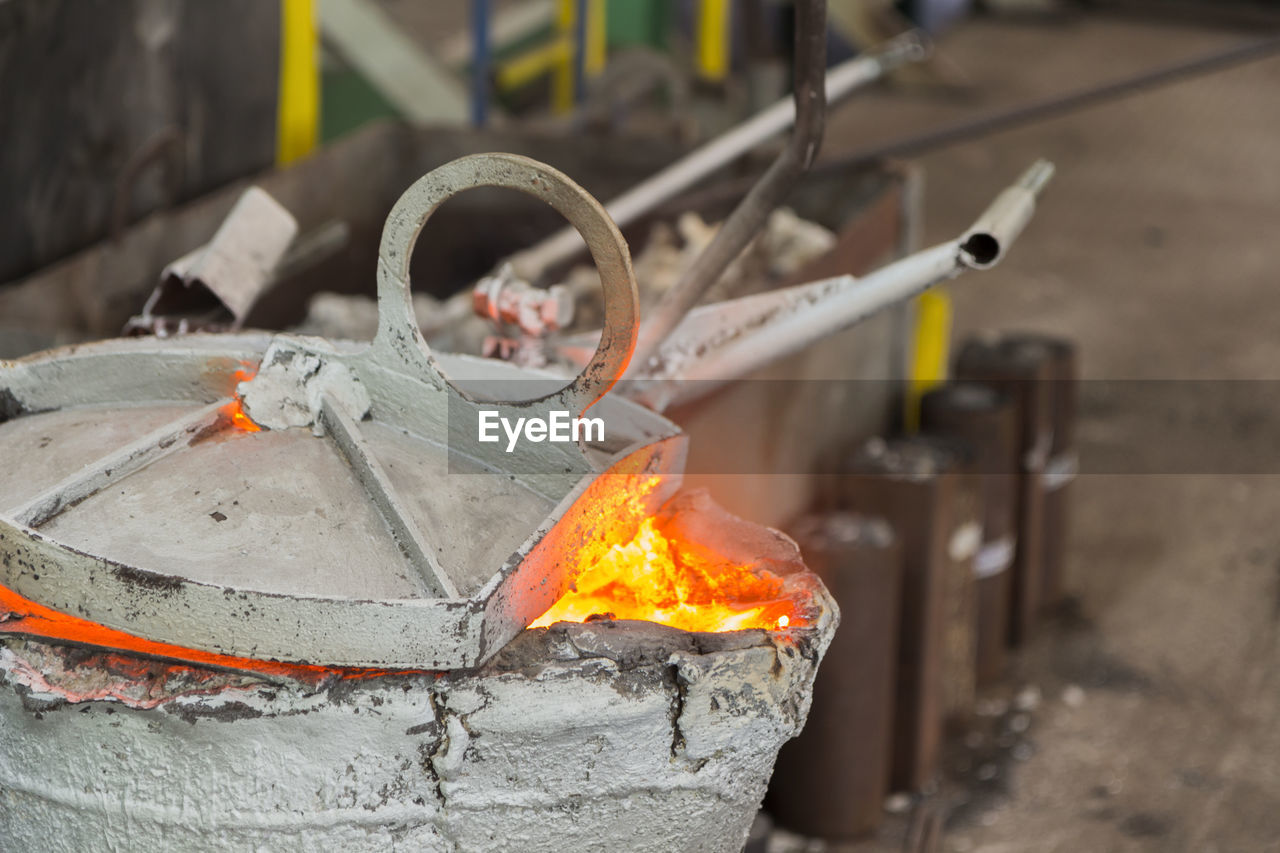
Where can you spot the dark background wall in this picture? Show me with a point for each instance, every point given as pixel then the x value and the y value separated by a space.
pixel 128 99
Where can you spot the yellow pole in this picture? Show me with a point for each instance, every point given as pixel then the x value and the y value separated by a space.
pixel 529 66
pixel 930 346
pixel 298 102
pixel 713 40
pixel 597 37
pixel 562 77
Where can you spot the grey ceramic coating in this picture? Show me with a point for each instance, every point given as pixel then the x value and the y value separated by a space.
pixel 369 528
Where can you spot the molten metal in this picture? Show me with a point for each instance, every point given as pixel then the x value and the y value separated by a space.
pixel 239 420
pixel 24 617
pixel 235 409
pixel 656 577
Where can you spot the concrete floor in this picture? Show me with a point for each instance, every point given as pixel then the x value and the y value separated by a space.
pixel 1156 249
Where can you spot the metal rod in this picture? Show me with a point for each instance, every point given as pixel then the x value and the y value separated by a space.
pixel 810 312
pixel 841 81
pixel 1000 120
pixel 809 91
pixel 369 471
pixel 1253 15
pixel 115 466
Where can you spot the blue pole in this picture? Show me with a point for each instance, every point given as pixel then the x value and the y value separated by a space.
pixel 479 62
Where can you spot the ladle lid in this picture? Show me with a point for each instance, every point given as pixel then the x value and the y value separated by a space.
pixel 292 499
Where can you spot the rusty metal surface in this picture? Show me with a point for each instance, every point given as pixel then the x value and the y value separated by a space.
pixel 831 781
pixel 1022 375
pixel 917 485
pixel 1062 465
pixel 986 421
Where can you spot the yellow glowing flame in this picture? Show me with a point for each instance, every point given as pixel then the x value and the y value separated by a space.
pixel 654 579
pixel 240 420
pixel 235 411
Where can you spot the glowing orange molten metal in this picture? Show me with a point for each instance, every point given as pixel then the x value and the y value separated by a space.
pixel 656 578
pixel 239 419
pixel 19 615
pixel 235 410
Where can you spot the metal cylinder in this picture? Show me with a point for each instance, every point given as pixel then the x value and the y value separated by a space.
pixel 986 421
pixel 1062 464
pixel 606 735
pixel 830 782
pixel 1021 373
pixel 917 484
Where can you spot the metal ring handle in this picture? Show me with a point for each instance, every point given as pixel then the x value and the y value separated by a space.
pixel 397 326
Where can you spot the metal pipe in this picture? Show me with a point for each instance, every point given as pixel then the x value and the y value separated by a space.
pixel 841 82
pixel 718 343
pixel 984 244
pixel 688 368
